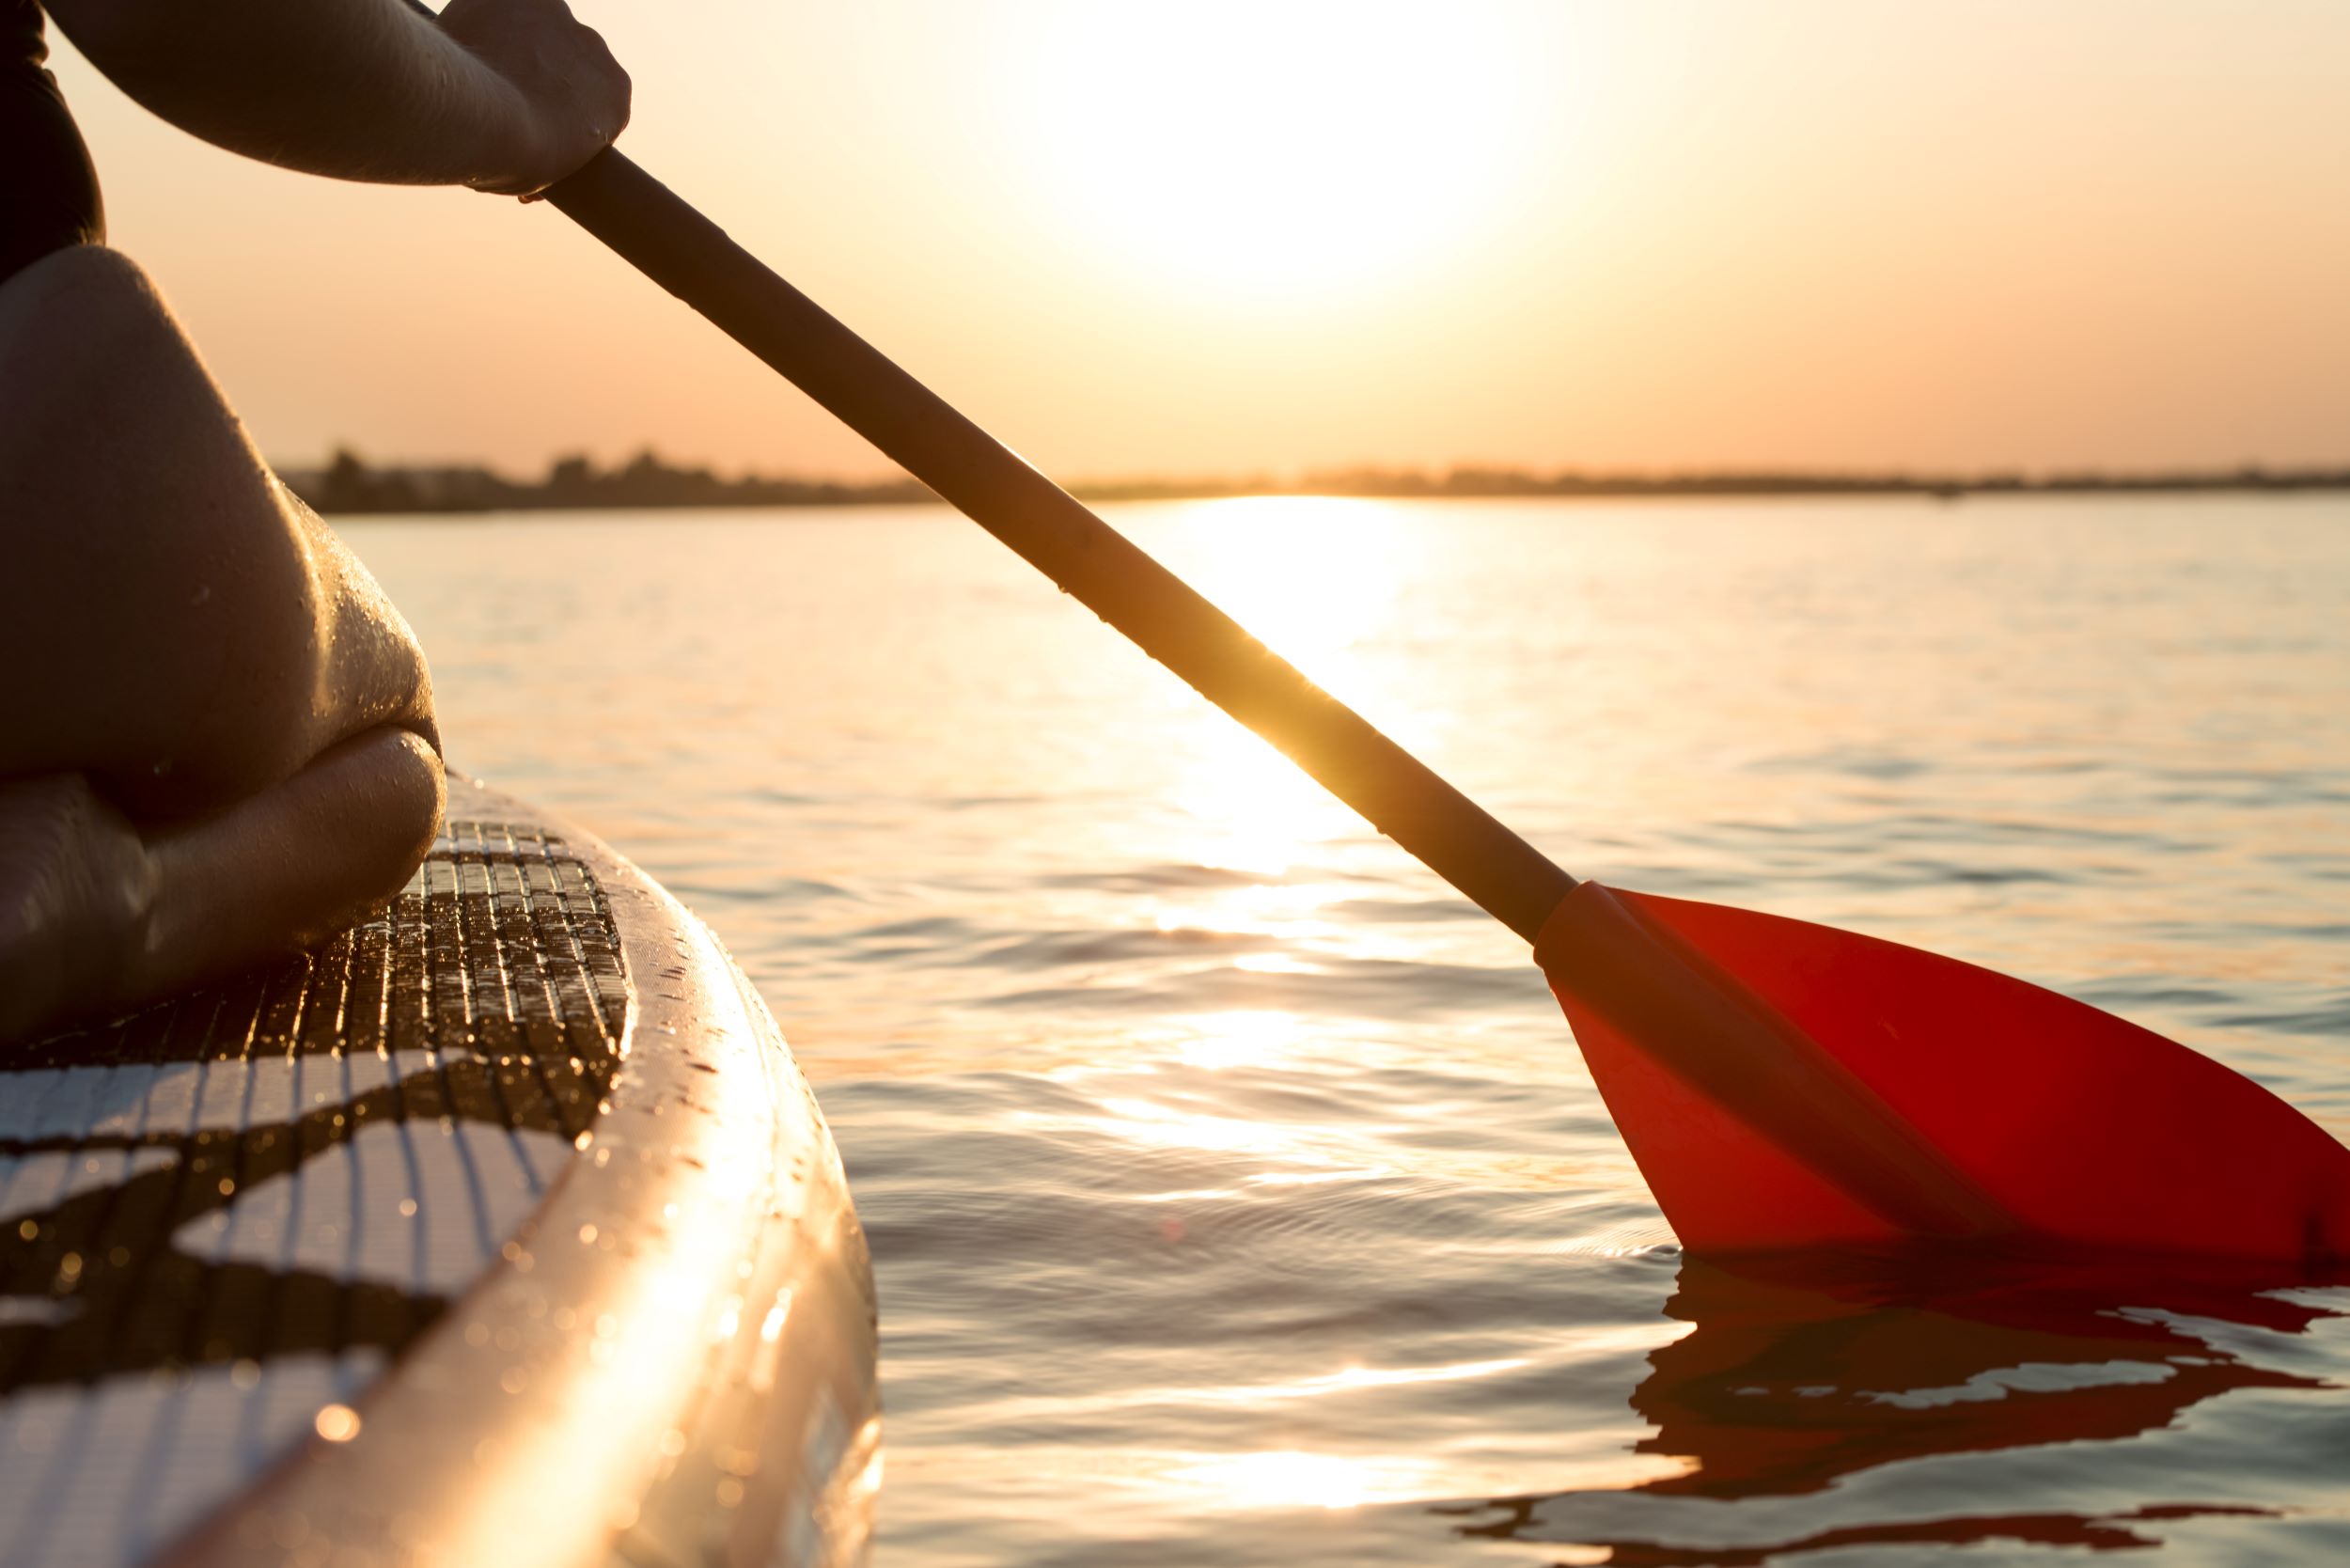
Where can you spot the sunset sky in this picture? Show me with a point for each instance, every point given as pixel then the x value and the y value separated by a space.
pixel 1222 237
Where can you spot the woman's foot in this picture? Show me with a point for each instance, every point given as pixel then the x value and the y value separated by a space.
pixel 97 918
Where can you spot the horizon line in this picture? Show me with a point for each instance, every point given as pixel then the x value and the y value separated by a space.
pixel 348 485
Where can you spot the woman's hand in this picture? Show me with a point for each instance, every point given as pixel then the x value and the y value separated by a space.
pixel 574 95
pixel 501 95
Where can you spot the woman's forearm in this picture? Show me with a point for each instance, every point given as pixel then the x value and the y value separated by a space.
pixel 507 95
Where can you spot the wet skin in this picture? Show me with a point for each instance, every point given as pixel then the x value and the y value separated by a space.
pixel 216 737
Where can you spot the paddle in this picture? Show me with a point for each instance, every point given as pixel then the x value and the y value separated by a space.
pixel 1780 1085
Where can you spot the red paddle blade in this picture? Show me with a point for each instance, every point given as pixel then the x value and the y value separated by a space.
pixel 1787 1085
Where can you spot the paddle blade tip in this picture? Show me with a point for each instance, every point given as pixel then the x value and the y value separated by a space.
pixel 1784 1085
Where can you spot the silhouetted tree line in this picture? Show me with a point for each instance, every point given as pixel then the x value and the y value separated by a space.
pixel 348 484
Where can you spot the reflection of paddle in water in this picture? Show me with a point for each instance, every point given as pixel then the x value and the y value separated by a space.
pixel 1799 1375
pixel 1785 1386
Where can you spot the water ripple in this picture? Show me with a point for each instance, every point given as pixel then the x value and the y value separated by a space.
pixel 1235 1192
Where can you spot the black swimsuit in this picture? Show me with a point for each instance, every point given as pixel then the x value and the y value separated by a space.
pixel 48 188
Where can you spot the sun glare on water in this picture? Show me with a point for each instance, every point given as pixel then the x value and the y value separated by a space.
pixel 1313 578
pixel 1287 1478
pixel 1267 148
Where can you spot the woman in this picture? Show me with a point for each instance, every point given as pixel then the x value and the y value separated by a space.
pixel 216 735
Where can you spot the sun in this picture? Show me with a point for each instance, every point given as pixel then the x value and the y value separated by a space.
pixel 1275 148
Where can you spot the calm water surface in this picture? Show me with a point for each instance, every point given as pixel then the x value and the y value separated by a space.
pixel 1236 1193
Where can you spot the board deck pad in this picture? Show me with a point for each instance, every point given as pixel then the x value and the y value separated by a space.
pixel 223 1214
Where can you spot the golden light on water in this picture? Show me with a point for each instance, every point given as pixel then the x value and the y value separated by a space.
pixel 1251 810
pixel 1244 1037
pixel 1291 1478
pixel 1375 1377
pixel 1309 575
pixel 1296 1475
pixel 1313 578
pixel 1300 1478
pixel 1157 1125
pixel 1288 1478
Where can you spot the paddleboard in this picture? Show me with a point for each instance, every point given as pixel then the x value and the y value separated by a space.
pixel 501 1228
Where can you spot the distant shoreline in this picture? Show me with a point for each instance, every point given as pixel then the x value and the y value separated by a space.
pixel 350 486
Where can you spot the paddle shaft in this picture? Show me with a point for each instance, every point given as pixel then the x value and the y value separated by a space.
pixel 665 238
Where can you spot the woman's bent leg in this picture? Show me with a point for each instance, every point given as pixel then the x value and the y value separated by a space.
pixel 172 623
pixel 216 733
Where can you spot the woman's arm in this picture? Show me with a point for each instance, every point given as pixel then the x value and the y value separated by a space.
pixel 501 95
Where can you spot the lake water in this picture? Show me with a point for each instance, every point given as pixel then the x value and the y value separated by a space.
pixel 1236 1193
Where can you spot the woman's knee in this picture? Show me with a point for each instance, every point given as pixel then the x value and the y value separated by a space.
pixel 72 310
pixel 160 572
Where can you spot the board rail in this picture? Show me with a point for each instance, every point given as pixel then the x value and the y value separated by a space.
pixel 503 1227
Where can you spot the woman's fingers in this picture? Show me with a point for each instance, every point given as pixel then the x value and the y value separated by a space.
pixel 574 94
